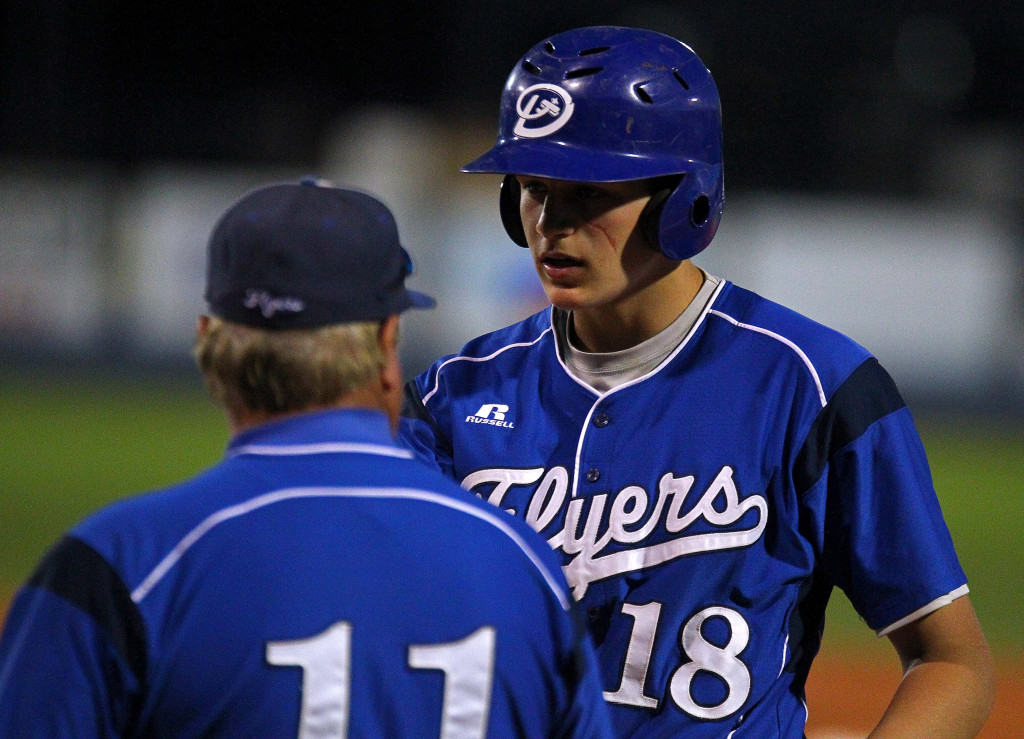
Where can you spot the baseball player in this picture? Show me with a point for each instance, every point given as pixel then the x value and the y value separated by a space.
pixel 708 464
pixel 319 581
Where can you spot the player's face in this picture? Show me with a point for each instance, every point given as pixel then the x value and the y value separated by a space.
pixel 585 244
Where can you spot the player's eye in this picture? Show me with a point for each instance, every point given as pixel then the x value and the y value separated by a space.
pixel 533 187
pixel 589 192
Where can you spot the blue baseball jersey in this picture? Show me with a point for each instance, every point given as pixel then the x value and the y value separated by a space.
pixel 318 582
pixel 703 512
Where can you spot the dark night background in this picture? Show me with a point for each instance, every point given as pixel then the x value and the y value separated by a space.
pixel 842 97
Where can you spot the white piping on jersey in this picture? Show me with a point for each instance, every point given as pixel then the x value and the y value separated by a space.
pixel 324 448
pixel 778 337
pixel 601 396
pixel 497 519
pixel 463 358
pixel 942 600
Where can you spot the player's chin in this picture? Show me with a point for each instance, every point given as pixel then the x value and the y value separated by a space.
pixel 567 298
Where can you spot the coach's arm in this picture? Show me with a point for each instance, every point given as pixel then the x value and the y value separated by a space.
pixel 948 684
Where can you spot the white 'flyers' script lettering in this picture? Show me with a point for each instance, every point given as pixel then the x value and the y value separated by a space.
pixel 627 521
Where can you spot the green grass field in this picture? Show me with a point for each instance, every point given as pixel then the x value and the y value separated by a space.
pixel 67 447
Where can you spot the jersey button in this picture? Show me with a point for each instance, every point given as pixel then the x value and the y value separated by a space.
pixel 601 420
pixel 593 474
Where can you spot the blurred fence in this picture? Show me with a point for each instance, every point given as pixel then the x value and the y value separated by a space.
pixel 103 267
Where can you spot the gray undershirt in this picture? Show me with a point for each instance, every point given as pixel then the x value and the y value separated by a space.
pixel 606 370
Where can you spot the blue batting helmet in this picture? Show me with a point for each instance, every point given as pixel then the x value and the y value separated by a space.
pixel 607 104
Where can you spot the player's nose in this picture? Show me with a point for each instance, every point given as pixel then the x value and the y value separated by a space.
pixel 558 217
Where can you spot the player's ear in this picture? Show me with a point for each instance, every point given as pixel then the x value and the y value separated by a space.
pixel 202 325
pixel 650 218
pixel 508 206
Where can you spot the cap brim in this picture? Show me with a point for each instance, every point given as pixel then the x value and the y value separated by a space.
pixel 420 300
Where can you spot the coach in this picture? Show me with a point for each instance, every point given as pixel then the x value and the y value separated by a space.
pixel 317 582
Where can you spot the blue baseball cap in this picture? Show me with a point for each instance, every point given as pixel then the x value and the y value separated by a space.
pixel 307 254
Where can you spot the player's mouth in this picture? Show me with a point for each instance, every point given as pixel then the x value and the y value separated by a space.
pixel 559 267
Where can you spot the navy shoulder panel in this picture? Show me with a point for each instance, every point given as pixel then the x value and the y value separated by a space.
pixel 866 396
pixel 77 573
pixel 412 404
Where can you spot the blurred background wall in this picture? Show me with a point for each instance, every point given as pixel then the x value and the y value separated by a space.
pixel 874 165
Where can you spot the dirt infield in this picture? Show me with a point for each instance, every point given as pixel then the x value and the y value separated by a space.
pixel 847 693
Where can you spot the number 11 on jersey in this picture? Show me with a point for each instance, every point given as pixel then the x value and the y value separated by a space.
pixel 326 662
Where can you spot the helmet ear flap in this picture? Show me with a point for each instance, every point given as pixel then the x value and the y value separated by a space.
pixel 508 205
pixel 681 220
pixel 650 217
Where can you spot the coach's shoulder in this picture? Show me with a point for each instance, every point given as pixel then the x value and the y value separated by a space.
pixel 133 533
pixel 488 526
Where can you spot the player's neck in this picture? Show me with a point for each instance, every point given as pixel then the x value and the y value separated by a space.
pixel 635 318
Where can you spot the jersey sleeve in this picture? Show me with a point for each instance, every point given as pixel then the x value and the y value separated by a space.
pixel 419 430
pixel 885 541
pixel 72 653
pixel 584 713
pixel 588 714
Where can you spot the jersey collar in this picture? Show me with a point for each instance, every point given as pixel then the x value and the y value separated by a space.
pixel 317 429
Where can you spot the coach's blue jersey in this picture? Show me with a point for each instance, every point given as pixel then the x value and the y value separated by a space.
pixel 705 511
pixel 319 582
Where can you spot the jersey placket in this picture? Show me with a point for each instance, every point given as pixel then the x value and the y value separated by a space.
pixel 594 460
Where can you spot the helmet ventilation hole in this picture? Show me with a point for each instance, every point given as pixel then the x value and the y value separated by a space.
pixel 700 211
pixel 549 47
pixel 680 80
pixel 531 68
pixel 585 72
pixel 642 94
pixel 595 50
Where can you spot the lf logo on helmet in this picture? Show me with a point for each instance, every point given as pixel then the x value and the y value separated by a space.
pixel 542 109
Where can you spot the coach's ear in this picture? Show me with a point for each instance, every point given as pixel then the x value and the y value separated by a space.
pixel 391 380
pixel 387 336
pixel 202 325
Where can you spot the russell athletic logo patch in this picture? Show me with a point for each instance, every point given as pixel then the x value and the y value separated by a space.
pixel 542 109
pixel 492 414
